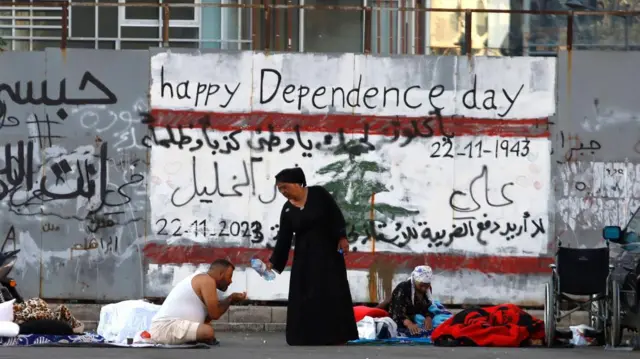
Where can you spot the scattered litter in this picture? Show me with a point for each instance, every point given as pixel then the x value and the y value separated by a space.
pixel 577 335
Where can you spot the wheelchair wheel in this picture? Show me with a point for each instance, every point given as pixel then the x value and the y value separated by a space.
pixel 597 313
pixel 549 313
pixel 614 327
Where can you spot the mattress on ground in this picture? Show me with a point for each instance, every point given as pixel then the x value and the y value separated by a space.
pixel 25 340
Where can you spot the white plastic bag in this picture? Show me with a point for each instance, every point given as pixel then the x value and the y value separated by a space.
pixel 392 327
pixel 366 328
pixel 369 328
pixel 126 319
pixel 577 335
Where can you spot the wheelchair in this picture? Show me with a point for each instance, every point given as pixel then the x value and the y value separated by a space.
pixel 583 272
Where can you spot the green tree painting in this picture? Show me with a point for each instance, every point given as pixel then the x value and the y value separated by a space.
pixel 353 182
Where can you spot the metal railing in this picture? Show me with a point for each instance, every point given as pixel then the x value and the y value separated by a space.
pixel 382 27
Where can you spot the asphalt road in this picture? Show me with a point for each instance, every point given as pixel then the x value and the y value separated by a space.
pixel 273 346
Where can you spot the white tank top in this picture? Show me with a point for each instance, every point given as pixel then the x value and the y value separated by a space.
pixel 183 303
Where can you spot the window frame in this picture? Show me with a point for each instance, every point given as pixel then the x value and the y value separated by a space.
pixel 124 21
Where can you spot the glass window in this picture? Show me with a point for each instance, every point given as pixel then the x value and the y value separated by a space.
pixel 333 30
pixel 140 12
pixel 181 13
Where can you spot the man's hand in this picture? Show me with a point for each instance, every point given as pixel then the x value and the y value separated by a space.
pixel 428 323
pixel 344 245
pixel 238 297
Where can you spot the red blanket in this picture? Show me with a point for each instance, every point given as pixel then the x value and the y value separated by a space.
pixel 360 311
pixel 504 325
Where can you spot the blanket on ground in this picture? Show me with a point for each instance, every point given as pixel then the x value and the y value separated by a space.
pixel 37 309
pixel 440 315
pixel 25 340
pixel 503 325
pixel 392 341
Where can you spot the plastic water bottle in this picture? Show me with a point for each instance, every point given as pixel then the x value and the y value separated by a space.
pixel 261 268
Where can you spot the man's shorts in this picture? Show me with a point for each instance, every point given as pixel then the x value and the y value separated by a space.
pixel 173 331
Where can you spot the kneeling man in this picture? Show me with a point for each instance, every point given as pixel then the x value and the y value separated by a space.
pixel 186 314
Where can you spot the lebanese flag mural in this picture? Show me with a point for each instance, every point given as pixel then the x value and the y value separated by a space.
pixel 432 160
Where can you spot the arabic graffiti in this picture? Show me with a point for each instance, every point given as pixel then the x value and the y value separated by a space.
pixel 95 223
pixel 15 93
pixel 479 186
pixel 121 128
pixel 446 148
pixel 50 227
pixel 126 161
pixel 244 229
pixel 5 119
pixel 483 231
pixel 615 171
pixel 268 140
pixel 572 145
pixel 181 197
pixel 107 244
pixel 24 184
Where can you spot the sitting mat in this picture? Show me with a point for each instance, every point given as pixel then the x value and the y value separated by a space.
pixel 392 341
pixel 25 340
pixel 118 345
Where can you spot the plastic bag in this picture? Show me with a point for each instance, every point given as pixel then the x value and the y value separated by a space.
pixel 126 319
pixel 578 339
pixel 367 328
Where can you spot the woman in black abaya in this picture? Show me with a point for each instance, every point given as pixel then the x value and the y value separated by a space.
pixel 320 309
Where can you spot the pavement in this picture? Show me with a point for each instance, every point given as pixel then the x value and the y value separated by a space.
pixel 251 318
pixel 273 346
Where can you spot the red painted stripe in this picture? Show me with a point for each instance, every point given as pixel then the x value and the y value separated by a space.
pixel 387 126
pixel 196 254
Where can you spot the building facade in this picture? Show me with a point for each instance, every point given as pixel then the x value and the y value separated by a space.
pixel 389 27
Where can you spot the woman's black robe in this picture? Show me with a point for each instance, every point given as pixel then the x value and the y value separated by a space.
pixel 320 309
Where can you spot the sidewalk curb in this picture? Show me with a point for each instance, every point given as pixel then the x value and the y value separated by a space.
pixel 267 319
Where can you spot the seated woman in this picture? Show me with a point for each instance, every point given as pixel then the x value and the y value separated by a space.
pixel 410 302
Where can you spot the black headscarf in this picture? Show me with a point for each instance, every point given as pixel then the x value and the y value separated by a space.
pixel 292 175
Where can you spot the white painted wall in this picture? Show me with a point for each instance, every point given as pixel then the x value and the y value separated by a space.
pixel 597 194
pixel 415 180
pixel 241 74
pixel 449 287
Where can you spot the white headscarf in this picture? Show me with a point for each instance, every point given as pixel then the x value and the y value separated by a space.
pixel 421 274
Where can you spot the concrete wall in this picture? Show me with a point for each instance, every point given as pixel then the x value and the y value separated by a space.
pixel 596 145
pixel 123 194
pixel 73 183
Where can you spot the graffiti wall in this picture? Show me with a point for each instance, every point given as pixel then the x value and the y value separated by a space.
pixel 122 172
pixel 72 171
pixel 596 148
pixel 440 161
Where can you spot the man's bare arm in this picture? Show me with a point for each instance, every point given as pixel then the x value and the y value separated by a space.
pixel 215 307
pixel 223 305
